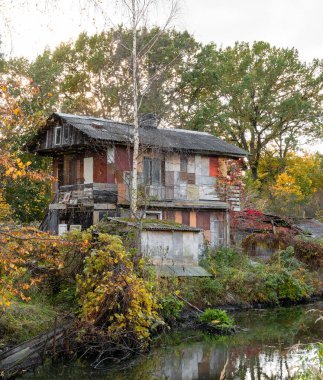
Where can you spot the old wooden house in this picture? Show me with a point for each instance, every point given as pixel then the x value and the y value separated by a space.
pixel 181 174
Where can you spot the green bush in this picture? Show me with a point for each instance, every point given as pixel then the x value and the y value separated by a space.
pixel 202 291
pixel 170 307
pixel 239 278
pixel 216 315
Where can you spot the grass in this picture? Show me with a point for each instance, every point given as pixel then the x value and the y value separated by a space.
pixel 22 321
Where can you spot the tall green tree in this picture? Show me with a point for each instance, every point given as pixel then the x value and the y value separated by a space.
pixel 255 96
pixel 93 75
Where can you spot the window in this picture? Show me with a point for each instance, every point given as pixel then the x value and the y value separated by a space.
pixel 152 171
pixel 153 215
pixel 147 170
pixel 47 139
pixel 58 135
pixel 66 134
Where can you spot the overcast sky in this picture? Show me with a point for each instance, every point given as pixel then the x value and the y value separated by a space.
pixel 28 26
pixel 284 23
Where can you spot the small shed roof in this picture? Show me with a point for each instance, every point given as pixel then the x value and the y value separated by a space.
pixel 156 225
pixel 167 139
pixel 311 226
pixel 180 271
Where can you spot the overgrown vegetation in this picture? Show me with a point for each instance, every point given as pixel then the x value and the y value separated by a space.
pixel 306 250
pixel 239 279
pixel 217 317
pixel 91 277
pixel 117 303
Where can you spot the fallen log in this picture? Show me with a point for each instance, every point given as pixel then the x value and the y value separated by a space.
pixel 31 353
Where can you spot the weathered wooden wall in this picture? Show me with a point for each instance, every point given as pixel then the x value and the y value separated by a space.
pixel 172 247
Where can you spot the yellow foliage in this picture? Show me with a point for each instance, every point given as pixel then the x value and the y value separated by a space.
pixel 287 184
pixel 111 294
pixel 296 175
pixel 5 211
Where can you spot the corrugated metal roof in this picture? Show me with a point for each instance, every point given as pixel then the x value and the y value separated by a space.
pixel 168 139
pixel 312 226
pixel 180 271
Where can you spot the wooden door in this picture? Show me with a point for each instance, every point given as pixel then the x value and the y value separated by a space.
pixel 218 230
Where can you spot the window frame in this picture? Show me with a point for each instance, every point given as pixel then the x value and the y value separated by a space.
pixel 58 128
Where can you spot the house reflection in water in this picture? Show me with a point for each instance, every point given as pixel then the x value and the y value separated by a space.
pixel 203 362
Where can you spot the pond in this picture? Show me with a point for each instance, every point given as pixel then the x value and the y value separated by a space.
pixel 273 344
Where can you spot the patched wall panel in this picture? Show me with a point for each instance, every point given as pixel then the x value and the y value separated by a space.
pixel 191 164
pixel 169 178
pixel 193 192
pixel 198 165
pixel 191 178
pixel 208 193
pixel 169 192
pixel 173 163
pixel 205 166
pixel 123 158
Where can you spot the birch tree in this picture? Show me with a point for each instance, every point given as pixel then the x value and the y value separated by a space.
pixel 138 11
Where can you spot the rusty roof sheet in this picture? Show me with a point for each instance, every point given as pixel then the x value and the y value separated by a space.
pixel 167 139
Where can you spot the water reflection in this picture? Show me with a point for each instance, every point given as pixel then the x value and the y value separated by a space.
pixel 262 351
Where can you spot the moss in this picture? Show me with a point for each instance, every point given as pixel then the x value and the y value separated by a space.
pixel 23 321
pixel 151 221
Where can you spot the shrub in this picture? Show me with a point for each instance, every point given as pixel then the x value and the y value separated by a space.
pixel 170 307
pixel 112 297
pixel 309 252
pixel 240 279
pixel 216 315
pixel 203 291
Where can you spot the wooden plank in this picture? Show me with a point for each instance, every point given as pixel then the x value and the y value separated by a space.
pixel 191 178
pixel 111 175
pixel 186 217
pixel 105 196
pixel 178 216
pixel 192 219
pixel 123 158
pixel 57 206
pixel 214 166
pixel 100 172
pixel 169 215
pixel 203 219
pixel 169 178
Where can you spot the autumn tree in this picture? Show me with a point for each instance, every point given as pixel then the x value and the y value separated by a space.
pixel 293 185
pixel 255 96
pixel 20 116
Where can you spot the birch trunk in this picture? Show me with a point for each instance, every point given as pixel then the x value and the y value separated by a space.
pixel 134 183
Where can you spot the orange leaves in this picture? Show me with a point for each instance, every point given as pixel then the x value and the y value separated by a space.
pixel 27 257
pixel 15 168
